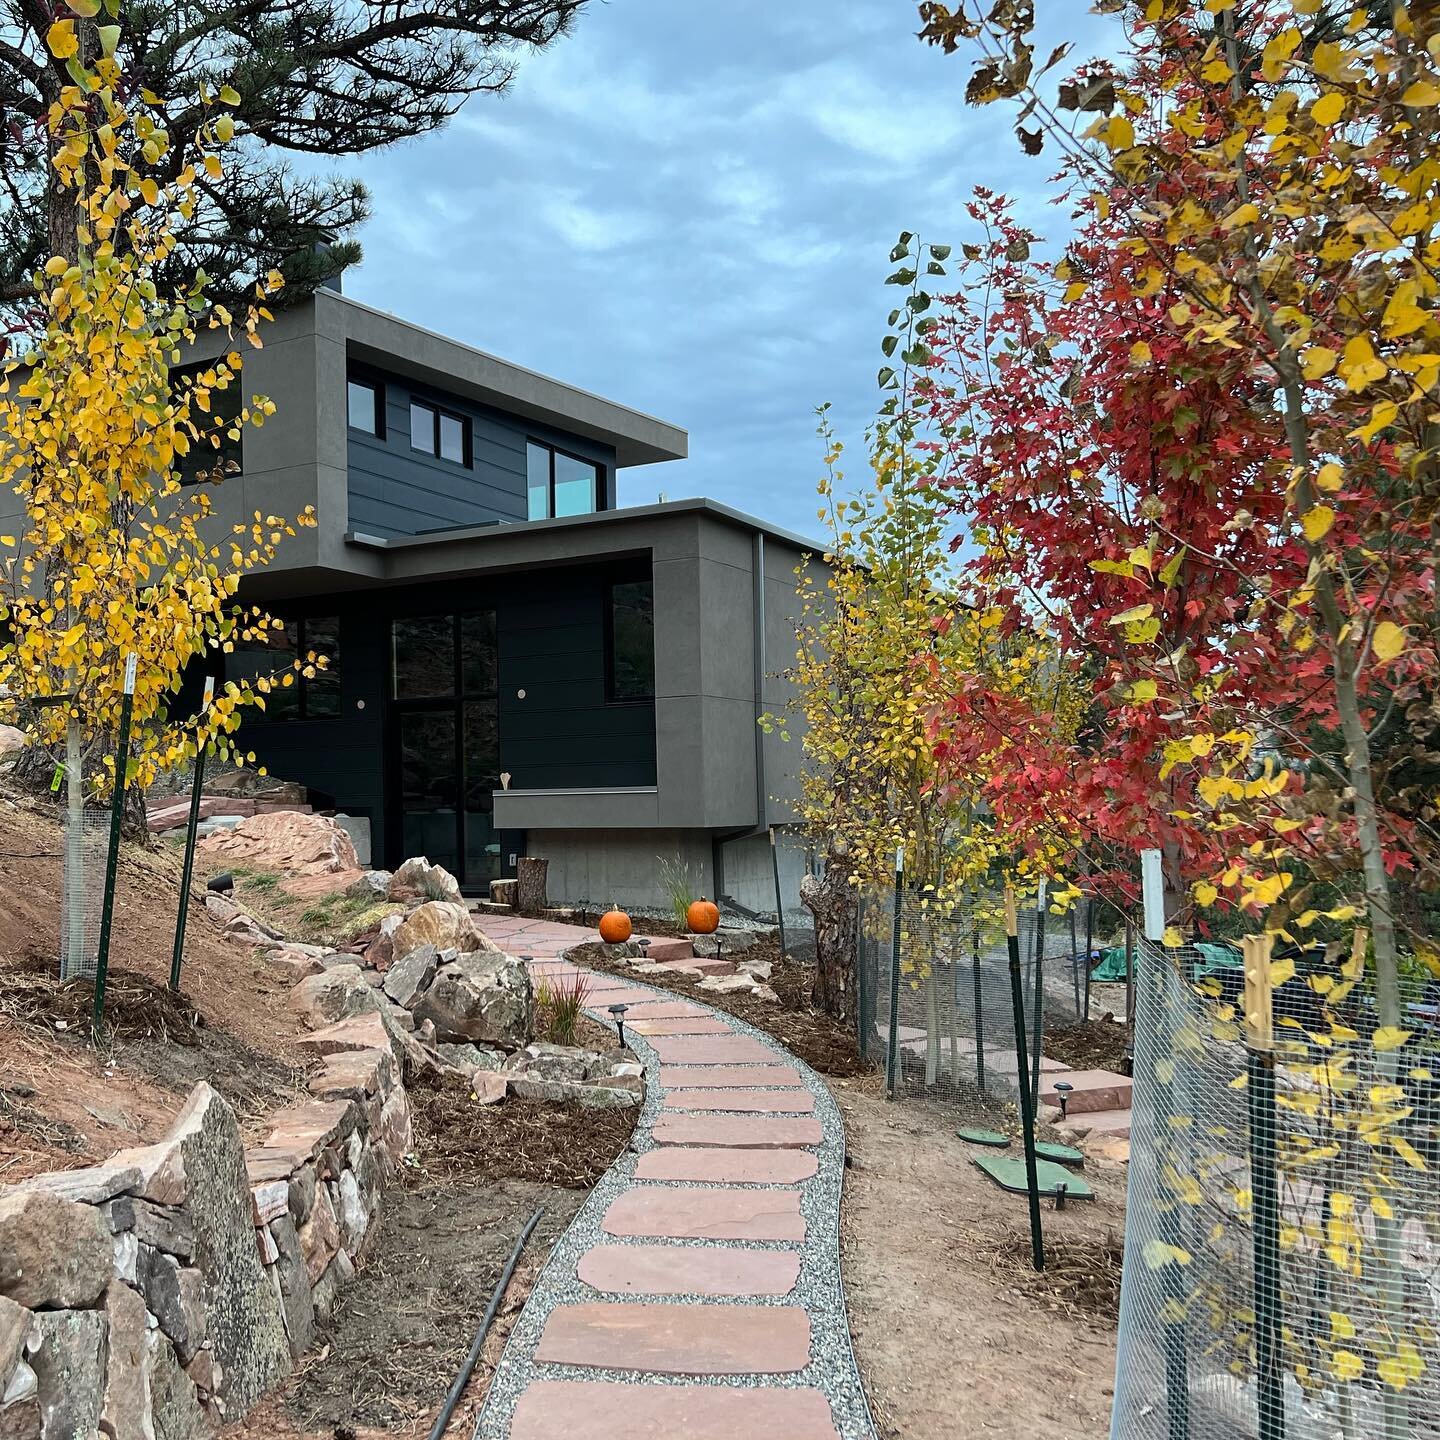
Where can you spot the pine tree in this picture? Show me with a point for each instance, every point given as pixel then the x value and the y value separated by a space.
pixel 310 77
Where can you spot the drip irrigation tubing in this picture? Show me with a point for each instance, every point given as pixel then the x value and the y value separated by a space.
pixel 447 1410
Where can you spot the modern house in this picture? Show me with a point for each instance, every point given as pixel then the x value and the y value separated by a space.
pixel 517 666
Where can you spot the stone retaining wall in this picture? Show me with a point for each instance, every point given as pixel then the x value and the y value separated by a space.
pixel 159 1294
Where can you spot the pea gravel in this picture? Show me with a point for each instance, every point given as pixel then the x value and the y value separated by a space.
pixel 831 1370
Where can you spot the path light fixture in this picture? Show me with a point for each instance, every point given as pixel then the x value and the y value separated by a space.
pixel 1062 1093
pixel 1060 1192
pixel 644 945
pixel 617 1014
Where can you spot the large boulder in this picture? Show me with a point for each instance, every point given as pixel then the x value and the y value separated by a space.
pixel 286 842
pixel 12 743
pixel 486 998
pixel 445 924
pixel 419 877
pixel 70 1366
pixel 245 1325
pixel 53 1253
pixel 338 993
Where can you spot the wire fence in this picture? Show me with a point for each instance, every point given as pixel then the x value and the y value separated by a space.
pixel 1283 1217
pixel 86 838
pixel 936 1008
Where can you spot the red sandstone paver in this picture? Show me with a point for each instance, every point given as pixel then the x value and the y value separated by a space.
pixel 711 1050
pixel 694 1025
pixel 691 1077
pixel 1092 1090
pixel 757 1102
pixel 698 1212
pixel 740 1132
pixel 689 1270
pixel 608 1410
pixel 659 1339
pixel 617 995
pixel 666 1010
pixel 719 1166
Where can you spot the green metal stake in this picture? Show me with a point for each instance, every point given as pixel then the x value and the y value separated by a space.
pixel 1038 1019
pixel 979 1008
pixel 1089 948
pixel 779 905
pixel 860 985
pixel 188 871
pixel 892 1055
pixel 1022 1080
pixel 1264 1185
pixel 112 856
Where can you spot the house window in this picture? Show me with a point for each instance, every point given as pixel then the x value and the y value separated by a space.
pixel 366 405
pixel 438 432
pixel 216 446
pixel 630 642
pixel 558 484
pixel 306 697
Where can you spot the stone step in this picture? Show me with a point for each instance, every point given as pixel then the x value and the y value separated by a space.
pixel 738 1132
pixel 700 1212
pixel 759 1102
pixel 491 907
pixel 1113 1123
pixel 700 968
pixel 716 1165
pixel 691 1077
pixel 609 1410
pixel 1094 1090
pixel 729 1272
pixel 693 1025
pixel 663 951
pixel 711 1050
pixel 661 1339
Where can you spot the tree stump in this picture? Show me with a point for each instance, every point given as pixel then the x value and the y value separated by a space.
pixel 830 898
pixel 502 892
pixel 530 876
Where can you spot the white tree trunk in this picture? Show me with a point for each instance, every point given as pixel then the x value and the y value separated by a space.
pixel 72 962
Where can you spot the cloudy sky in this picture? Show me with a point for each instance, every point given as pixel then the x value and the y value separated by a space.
pixel 687 207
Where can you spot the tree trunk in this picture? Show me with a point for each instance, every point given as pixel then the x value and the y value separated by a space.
pixel 830 898
pixel 530 877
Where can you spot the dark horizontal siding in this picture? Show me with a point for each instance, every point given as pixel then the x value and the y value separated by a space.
pixel 395 490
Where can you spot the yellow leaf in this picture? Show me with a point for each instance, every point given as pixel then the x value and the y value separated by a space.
pixel 1422 92
pixel 1205 893
pixel 62 40
pixel 1140 353
pixel 1136 612
pixel 1158 1254
pixel 1330 478
pixel 1317 522
pixel 1328 108
pixel 1388 640
pixel 229 95
pixel 1172 938
pixel 1360 366
pixel 1142 692
pixel 1388 1038
pixel 1347 1365
pixel 1246 214
pixel 1318 361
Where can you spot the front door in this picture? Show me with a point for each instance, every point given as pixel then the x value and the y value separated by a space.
pixel 445 742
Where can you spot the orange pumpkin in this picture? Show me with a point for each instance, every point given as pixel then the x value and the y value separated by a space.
pixel 703 917
pixel 615 927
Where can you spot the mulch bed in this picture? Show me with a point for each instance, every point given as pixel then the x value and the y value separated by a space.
pixel 819 1041
pixel 458 1139
pixel 1093 1045
pixel 1081 1274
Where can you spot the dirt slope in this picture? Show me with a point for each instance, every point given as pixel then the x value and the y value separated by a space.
pixel 62 1101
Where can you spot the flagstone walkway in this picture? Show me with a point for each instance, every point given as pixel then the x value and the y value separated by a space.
pixel 697 1294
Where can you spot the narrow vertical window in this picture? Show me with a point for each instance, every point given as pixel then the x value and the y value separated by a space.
pixel 630 642
pixel 365 407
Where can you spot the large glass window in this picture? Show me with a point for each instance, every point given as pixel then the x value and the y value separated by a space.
pixel 424 657
pixel 307 640
pixel 366 406
pixel 434 431
pixel 630 642
pixel 559 484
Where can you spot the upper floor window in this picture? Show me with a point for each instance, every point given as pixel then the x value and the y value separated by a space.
pixel 558 484
pixel 366 406
pixel 216 446
pixel 438 432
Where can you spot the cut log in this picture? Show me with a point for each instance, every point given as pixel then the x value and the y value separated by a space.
pixel 530 876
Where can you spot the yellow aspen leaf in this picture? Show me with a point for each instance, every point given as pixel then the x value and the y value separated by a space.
pixel 1246 214
pixel 1329 477
pixel 1360 366
pixel 1421 93
pixel 1347 1365
pixel 1318 362
pixel 1158 1255
pixel 1205 893
pixel 1316 522
pixel 62 39
pixel 1388 640
pixel 1172 939
pixel 1328 108
pixel 1388 1038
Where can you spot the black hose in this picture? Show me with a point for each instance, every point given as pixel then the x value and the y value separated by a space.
pixel 447 1410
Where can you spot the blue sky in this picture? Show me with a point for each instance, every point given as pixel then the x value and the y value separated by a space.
pixel 688 208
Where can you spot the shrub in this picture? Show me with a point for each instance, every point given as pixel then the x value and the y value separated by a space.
pixel 558 1007
pixel 676 881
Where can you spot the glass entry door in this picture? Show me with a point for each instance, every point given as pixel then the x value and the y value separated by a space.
pixel 445 742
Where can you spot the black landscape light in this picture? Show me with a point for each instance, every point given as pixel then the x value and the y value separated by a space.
pixel 1062 1093
pixel 644 945
pixel 617 1014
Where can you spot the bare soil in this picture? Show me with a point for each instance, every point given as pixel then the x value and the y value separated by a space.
pixel 819 1041
pixel 952 1336
pixel 64 1101
pixel 1089 1045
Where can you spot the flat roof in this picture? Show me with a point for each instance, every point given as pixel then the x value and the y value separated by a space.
pixel 508 529
pixel 401 345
